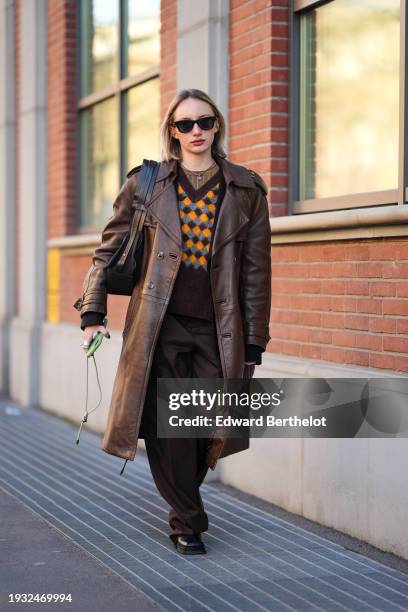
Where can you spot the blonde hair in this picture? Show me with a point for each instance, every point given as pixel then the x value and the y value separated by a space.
pixel 169 146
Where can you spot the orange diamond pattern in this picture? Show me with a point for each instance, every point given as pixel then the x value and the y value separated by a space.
pixel 197 220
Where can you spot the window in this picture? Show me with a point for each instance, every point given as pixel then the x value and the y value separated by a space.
pixel 345 116
pixel 118 98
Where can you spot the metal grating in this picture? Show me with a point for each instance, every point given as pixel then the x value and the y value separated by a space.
pixel 254 561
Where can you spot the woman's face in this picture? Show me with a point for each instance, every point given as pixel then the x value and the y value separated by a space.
pixel 191 108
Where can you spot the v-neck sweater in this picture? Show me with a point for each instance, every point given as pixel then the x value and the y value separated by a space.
pixel 198 213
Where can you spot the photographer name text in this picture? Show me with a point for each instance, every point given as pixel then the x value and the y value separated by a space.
pixel 259 421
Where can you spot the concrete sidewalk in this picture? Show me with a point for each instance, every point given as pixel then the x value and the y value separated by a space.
pixel 71 524
pixel 36 557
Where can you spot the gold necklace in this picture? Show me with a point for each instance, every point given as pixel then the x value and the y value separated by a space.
pixel 198 173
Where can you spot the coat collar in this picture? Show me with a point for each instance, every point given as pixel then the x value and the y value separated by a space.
pixel 233 173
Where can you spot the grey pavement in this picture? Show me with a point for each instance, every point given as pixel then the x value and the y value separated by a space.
pixel 70 524
pixel 36 557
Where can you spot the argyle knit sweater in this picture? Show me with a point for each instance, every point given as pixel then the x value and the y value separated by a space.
pixel 198 212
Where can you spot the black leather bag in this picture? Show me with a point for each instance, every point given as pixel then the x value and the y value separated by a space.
pixel 124 267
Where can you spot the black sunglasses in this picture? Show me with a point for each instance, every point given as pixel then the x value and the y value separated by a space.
pixel 186 125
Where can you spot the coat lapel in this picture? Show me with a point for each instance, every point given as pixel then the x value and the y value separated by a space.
pixel 232 216
pixel 233 213
pixel 231 219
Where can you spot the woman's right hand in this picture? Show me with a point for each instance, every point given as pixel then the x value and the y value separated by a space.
pixel 91 330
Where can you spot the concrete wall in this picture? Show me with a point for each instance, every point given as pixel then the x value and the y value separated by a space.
pixel 8 178
pixel 358 486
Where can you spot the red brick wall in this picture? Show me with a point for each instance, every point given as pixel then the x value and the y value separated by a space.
pixel 341 301
pixel 280 107
pixel 344 301
pixel 62 117
pixel 259 61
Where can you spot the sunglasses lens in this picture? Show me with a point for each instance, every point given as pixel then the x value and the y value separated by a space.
pixel 206 123
pixel 184 126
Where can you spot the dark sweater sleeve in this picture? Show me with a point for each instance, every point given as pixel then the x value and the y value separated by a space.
pixel 91 318
pixel 253 352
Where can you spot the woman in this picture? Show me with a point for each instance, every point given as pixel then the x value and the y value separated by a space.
pixel 201 306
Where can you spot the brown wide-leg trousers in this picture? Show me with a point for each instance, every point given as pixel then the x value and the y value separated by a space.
pixel 186 348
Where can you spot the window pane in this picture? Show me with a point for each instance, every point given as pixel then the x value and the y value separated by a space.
pixel 143 36
pixel 99 44
pixel 100 166
pixel 349 98
pixel 143 116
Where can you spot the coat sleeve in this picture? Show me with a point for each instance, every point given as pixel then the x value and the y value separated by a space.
pixel 94 294
pixel 256 272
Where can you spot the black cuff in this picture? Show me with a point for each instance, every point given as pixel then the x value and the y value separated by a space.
pixel 91 318
pixel 253 352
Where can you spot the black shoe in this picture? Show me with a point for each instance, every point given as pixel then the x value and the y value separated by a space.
pixel 189 544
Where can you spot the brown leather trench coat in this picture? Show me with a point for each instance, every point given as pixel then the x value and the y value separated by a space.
pixel 240 277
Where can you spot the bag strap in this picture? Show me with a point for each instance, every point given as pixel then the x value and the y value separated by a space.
pixel 144 190
pixel 146 181
pixel 143 194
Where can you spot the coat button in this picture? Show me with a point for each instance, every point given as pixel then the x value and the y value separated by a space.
pixel 150 285
pixel 160 254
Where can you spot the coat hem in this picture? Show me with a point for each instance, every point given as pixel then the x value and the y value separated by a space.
pixel 130 455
